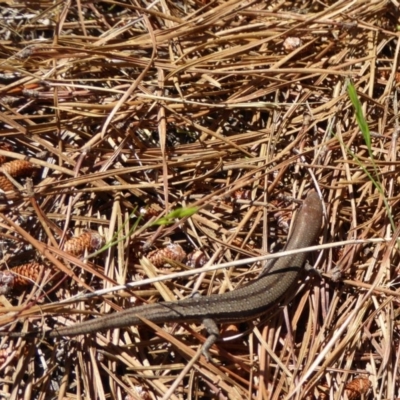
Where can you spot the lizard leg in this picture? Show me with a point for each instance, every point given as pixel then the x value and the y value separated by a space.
pixel 213 333
pixel 310 269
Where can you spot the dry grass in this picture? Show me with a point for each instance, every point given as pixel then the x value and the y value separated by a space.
pixel 140 107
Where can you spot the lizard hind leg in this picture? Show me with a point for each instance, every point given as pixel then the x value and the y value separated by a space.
pixel 213 333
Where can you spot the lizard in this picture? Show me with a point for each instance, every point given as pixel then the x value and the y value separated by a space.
pixel 240 304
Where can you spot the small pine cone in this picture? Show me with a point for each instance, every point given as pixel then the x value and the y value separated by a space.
pixel 357 387
pixel 242 194
pixel 151 210
pixel 18 168
pixel 6 147
pixel 89 240
pixel 26 274
pixel 196 259
pixel 5 184
pixel 7 280
pixel 172 252
pixel 292 43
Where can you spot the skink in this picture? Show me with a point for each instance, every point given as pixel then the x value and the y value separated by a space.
pixel 244 303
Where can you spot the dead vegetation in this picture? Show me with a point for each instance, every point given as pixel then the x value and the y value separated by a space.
pixel 131 110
